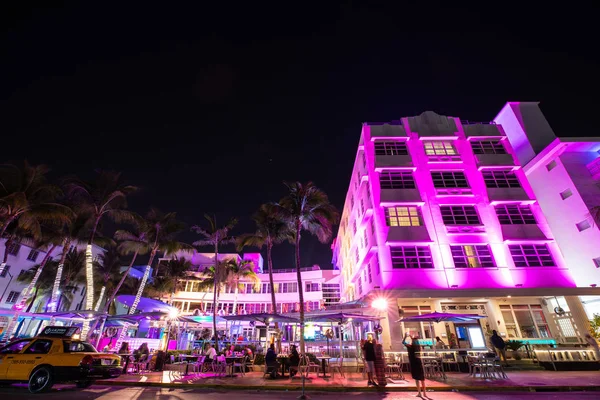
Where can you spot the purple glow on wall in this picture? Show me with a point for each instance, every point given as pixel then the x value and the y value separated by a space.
pixel 429 199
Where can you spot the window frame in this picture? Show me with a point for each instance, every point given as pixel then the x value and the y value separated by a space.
pixel 459 212
pixel 421 256
pixel 527 258
pixel 508 179
pixel 447 148
pixel 397 180
pixel 488 146
pixel 412 213
pixel 482 253
pixel 506 217
pixel 390 148
pixel 446 177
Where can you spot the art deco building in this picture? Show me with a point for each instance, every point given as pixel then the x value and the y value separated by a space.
pixel 439 216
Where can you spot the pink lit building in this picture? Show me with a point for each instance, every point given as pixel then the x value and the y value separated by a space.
pixel 439 216
pixel 564 173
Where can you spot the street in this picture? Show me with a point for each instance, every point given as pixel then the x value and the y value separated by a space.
pixel 143 393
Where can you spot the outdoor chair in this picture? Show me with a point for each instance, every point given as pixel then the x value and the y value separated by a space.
pixel 475 367
pixel 303 366
pixel 220 366
pixel 270 369
pixel 198 365
pixel 337 366
pixel 394 366
pixel 313 366
pixel 241 366
pixel 294 368
pixel 250 365
pixel 137 365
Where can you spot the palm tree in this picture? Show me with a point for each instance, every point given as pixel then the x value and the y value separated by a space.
pixel 237 271
pixel 27 200
pixel 105 198
pixel 270 230
pixel 215 237
pixel 108 269
pixel 162 229
pixel 306 207
pixel 133 242
pixel 173 271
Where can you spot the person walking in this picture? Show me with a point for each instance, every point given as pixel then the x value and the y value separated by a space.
pixel 416 366
pixel 368 349
pixel 499 345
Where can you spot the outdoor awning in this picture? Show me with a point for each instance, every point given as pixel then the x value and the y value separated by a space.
pixel 442 317
pixel 264 318
pixel 341 318
pixel 146 304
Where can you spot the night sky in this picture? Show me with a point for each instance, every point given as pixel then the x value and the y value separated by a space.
pixel 210 109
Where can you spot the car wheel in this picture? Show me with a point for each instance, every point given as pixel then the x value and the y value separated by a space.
pixel 40 380
pixel 84 384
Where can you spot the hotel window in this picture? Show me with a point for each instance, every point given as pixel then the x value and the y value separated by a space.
pixel 354 227
pixel 437 148
pixel 411 257
pixel 488 147
pixel 403 216
pixel 397 180
pixel 390 148
pixel 33 255
pixel 460 215
pixel 351 201
pixel 5 271
pixel 416 327
pixel 12 297
pixel 312 287
pixel 515 214
pixel 500 179
pixel 471 256
pixel 13 249
pixel 366 239
pixel 369 273
pixel 531 255
pixel 362 206
pixel 356 256
pixel 450 179
pixel 359 282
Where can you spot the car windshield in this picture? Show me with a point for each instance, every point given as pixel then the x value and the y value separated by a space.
pixel 78 347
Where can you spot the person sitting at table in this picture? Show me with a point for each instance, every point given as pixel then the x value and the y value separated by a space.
pixel 294 361
pixel 248 351
pixel 231 351
pixel 142 350
pixel 271 361
pixel 210 353
pixel 439 343
pixel 124 348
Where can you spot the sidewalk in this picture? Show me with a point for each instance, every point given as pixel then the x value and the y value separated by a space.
pixel 518 381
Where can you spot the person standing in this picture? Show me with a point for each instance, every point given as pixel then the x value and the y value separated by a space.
pixel 416 366
pixel 499 345
pixel 369 354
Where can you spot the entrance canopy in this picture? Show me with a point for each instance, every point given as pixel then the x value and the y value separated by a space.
pixel 264 318
pixel 342 318
pixel 442 317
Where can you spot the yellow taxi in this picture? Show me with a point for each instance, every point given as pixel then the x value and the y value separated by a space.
pixel 55 356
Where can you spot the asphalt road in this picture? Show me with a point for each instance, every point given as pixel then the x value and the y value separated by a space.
pixel 147 393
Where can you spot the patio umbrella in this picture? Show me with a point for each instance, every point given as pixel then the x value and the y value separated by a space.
pixel 146 304
pixel 82 314
pixel 440 317
pixel 341 318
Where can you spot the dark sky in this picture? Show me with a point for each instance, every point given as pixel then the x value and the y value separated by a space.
pixel 209 109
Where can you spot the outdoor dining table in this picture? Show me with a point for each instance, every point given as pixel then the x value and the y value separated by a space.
pixel 190 357
pixel 229 361
pixel 284 360
pixel 324 360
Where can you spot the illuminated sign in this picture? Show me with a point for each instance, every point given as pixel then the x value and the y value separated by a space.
pixel 62 331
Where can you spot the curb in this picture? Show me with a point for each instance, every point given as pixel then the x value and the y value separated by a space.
pixel 338 389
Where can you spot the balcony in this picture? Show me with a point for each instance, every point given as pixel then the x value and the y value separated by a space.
pixel 408 234
pixel 507 194
pixel 387 131
pixel 481 130
pixel 400 195
pixel 526 231
pixel 495 160
pixel 393 161
pixel 443 159
pixel 454 191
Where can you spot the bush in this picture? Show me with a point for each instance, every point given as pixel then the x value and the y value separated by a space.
pixel 259 359
pixel 515 345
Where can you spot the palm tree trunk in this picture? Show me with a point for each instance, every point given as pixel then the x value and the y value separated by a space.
pixel 273 300
pixel 57 279
pixel 26 295
pixel 300 288
pixel 215 298
pixel 116 290
pixel 138 295
pixel 2 231
pixel 97 308
pixel 33 299
pixel 89 278
pixel 235 297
